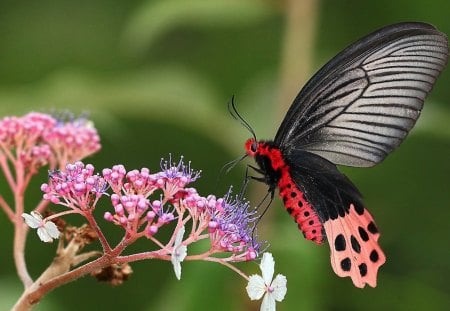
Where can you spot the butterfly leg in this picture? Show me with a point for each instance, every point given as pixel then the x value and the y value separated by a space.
pixel 248 177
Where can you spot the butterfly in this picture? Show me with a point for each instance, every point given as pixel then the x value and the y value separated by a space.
pixel 354 111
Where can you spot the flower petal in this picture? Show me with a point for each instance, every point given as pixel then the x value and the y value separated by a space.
pixel 31 221
pixel 267 267
pixel 181 252
pixel 52 229
pixel 44 236
pixel 268 303
pixel 176 267
pixel 255 287
pixel 279 287
pixel 179 237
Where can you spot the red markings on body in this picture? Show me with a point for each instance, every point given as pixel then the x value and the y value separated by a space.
pixel 293 198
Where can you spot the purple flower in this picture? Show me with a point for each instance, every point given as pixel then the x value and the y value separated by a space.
pixel 177 174
pixel 232 226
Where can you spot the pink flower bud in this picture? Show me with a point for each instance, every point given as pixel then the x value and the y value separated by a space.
pixel 150 216
pixel 152 230
pixel 108 216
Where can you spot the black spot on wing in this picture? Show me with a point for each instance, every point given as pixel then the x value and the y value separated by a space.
pixel 359 209
pixel 339 243
pixel 362 269
pixel 346 264
pixel 363 234
pixel 374 256
pixel 355 244
pixel 372 228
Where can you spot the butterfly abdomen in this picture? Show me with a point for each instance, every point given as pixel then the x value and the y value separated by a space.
pixel 277 173
pixel 302 212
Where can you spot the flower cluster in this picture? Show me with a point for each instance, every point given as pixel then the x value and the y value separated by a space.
pixel 77 187
pixel 36 139
pixel 73 139
pixel 227 222
pixel 141 202
pixel 231 226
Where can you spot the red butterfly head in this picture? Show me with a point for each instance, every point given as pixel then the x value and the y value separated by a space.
pixel 251 147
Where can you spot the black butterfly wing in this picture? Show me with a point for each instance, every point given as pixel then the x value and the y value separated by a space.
pixel 362 104
pixel 349 227
pixel 329 191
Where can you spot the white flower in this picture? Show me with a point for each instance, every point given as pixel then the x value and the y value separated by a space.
pixel 46 230
pixel 179 253
pixel 258 286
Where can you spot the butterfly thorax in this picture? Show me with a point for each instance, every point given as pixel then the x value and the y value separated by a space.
pixel 277 174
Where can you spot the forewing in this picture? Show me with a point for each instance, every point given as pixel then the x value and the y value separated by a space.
pixel 362 104
pixel 349 227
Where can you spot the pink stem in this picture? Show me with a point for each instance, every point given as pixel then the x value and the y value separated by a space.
pixel 37 291
pixel 5 206
pixel 41 206
pixel 19 255
pixel 105 245
pixel 142 256
pixel 7 172
pixel 20 228
pixel 62 214
pixel 34 294
pixel 227 264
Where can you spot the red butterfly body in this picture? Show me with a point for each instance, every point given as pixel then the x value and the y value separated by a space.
pixel 354 111
pixel 293 198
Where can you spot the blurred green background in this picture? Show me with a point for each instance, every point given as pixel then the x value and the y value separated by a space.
pixel 156 77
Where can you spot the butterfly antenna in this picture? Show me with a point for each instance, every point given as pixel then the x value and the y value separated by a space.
pixel 228 167
pixel 235 114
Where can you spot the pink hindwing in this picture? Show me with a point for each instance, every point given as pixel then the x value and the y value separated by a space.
pixel 354 248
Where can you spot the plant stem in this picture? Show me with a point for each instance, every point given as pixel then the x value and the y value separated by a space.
pixel 101 236
pixel 227 264
pixel 19 255
pixel 5 206
pixel 7 172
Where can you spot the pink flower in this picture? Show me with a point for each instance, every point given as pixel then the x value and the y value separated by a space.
pixel 228 222
pixel 21 139
pixel 37 139
pixel 77 187
pixel 73 140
